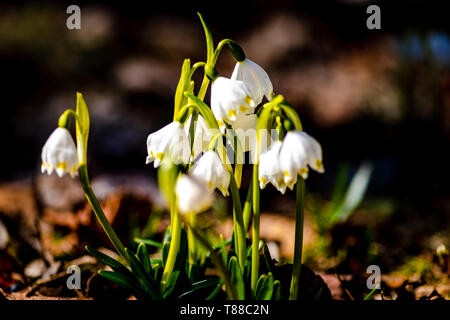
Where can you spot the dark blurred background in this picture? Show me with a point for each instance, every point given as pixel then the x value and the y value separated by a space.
pixel 380 96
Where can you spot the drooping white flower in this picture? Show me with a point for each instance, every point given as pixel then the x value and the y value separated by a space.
pixel 285 160
pixel 256 79
pixel 269 168
pixel 245 128
pixel 210 169
pixel 192 195
pixel 202 137
pixel 230 98
pixel 169 142
pixel 298 151
pixel 60 154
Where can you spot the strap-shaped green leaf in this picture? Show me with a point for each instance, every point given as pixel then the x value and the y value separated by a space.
pixel 125 282
pixel 171 284
pixel 142 254
pixel 82 129
pixel 145 280
pixel 264 287
pixel 113 263
pixel 276 290
pixel 209 39
pixel 183 85
pixel 165 253
pixel 236 277
pixel 214 293
pixel 149 242
pixel 200 285
pixel 268 258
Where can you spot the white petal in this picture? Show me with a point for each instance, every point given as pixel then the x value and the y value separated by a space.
pixel 192 195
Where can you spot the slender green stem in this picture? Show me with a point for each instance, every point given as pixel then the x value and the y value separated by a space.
pixel 90 195
pixel 255 230
pixel 173 250
pixel 248 206
pixel 238 224
pixel 216 259
pixel 191 240
pixel 295 282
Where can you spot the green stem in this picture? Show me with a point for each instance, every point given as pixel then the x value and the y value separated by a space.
pixel 248 206
pixel 255 230
pixel 300 194
pixel 173 250
pixel 92 199
pixel 238 224
pixel 191 240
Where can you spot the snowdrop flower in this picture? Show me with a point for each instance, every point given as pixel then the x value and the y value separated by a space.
pixel 269 168
pixel 60 154
pixel 210 169
pixel 169 142
pixel 245 128
pixel 255 78
pixel 284 161
pixel 230 98
pixel 299 150
pixel 192 195
pixel 203 135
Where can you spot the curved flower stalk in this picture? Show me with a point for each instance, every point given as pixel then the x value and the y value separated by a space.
pixel 212 172
pixel 169 142
pixel 60 154
pixel 230 98
pixel 256 79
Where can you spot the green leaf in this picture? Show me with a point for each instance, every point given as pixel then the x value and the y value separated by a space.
pixel 149 242
pixel 145 280
pixel 237 279
pixel 200 285
pixel 268 259
pixel 165 252
pixel 124 281
pixel 82 129
pixel 167 175
pixel 113 263
pixel 214 293
pixel 171 283
pixel 183 85
pixel 354 195
pixel 142 254
pixel 276 290
pixel 372 293
pixel 264 287
pixel 209 39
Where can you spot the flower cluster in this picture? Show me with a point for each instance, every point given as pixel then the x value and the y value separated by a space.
pixel 193 160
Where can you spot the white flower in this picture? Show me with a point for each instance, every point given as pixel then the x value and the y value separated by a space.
pixel 192 195
pixel 210 169
pixel 256 79
pixel 245 128
pixel 284 161
pixel 299 150
pixel 269 168
pixel 203 135
pixel 169 142
pixel 230 98
pixel 60 154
